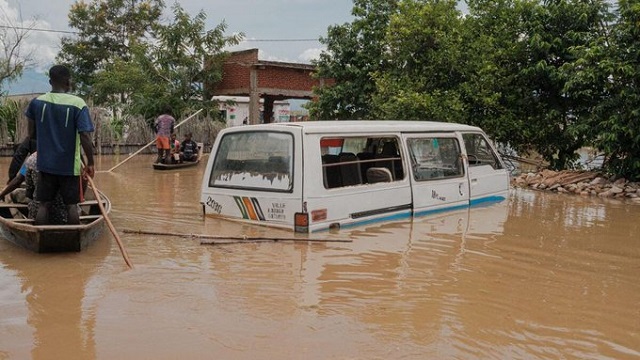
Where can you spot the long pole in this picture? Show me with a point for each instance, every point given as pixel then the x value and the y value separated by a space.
pixel 230 238
pixel 152 142
pixel 109 224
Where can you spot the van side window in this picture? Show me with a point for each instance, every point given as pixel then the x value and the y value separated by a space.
pixel 350 161
pixel 435 158
pixel 479 152
pixel 261 160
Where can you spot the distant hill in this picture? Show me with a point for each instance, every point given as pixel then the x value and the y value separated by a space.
pixel 32 81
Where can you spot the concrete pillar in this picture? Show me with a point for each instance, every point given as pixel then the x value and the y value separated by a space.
pixel 254 108
pixel 254 98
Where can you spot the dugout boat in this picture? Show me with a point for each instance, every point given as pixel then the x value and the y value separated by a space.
pixel 181 165
pixel 319 175
pixel 16 227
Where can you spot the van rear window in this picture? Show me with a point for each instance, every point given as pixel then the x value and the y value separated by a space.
pixel 258 160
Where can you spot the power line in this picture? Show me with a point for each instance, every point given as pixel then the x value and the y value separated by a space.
pixel 75 33
pixel 37 29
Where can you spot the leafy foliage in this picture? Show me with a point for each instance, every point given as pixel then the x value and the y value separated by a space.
pixel 355 52
pixel 548 77
pixel 558 107
pixel 126 59
pixel 617 135
pixel 492 57
pixel 184 57
pixel 107 31
pixel 422 75
pixel 9 116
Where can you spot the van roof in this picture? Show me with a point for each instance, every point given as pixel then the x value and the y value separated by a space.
pixel 372 126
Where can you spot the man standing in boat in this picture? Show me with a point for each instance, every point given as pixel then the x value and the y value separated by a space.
pixel 62 124
pixel 164 128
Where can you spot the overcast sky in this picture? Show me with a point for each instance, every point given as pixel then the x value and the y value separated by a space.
pixel 263 20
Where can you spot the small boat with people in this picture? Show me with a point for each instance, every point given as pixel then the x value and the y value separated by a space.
pixel 321 175
pixel 18 228
pixel 175 163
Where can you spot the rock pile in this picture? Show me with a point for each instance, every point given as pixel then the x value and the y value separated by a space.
pixel 586 183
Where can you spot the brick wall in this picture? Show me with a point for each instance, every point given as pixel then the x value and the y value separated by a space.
pixel 270 75
pixel 236 76
pixel 286 78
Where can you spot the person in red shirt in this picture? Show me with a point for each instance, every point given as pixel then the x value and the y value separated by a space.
pixel 175 148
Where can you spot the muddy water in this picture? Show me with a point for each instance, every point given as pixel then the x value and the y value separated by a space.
pixel 538 277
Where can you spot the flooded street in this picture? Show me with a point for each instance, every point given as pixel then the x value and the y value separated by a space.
pixel 541 276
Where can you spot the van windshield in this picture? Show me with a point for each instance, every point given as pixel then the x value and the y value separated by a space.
pixel 260 160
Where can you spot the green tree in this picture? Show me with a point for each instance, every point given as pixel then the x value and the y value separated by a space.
pixel 355 51
pixel 170 70
pixel 558 116
pixel 186 56
pixel 108 31
pixel 547 76
pixel 423 60
pixel 125 58
pixel 491 57
pixel 618 134
pixel 542 98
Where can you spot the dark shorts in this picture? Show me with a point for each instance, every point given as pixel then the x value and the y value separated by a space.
pixel 49 185
pixel 189 157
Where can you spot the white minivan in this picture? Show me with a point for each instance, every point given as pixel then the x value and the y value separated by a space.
pixel 319 175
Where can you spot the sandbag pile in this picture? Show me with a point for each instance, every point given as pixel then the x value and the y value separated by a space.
pixel 585 183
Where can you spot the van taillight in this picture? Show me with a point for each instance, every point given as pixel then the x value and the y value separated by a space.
pixel 301 222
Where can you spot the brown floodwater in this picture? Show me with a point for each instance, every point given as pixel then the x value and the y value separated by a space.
pixel 541 276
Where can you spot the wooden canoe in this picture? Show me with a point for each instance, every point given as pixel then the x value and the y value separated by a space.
pixel 184 164
pixel 18 229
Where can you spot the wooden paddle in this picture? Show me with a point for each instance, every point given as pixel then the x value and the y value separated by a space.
pixel 109 224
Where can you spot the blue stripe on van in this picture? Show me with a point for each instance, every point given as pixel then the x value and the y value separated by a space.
pixel 480 201
pixel 493 198
pixel 399 216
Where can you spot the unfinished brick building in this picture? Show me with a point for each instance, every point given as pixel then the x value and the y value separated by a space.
pixel 245 75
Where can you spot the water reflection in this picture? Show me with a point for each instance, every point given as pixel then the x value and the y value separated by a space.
pixel 540 276
pixel 579 212
pixel 55 304
pixel 405 274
